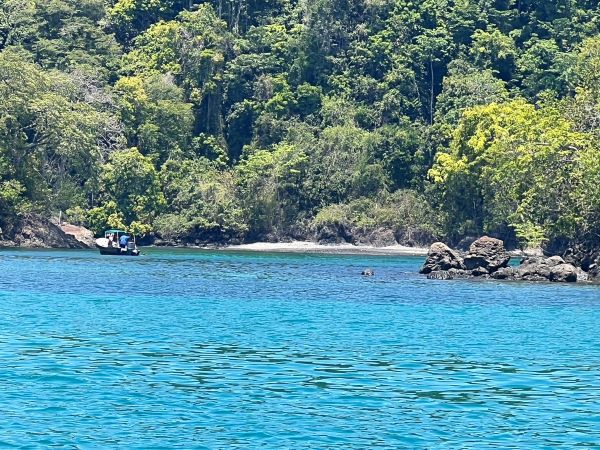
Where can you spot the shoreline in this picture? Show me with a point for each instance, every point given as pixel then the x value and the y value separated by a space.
pixel 330 249
pixel 300 247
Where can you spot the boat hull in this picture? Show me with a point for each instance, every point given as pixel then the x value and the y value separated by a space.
pixel 117 251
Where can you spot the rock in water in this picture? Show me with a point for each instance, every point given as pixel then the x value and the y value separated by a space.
pixel 487 258
pixel 505 273
pixel 547 269
pixel 533 269
pixel 441 257
pixel 486 255
pixel 452 274
pixel 594 272
pixel 564 273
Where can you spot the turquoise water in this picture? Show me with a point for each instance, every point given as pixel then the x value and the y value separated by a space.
pixel 193 349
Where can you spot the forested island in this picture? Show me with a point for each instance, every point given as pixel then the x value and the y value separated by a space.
pixel 374 121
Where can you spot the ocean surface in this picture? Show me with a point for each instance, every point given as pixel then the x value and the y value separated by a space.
pixel 198 349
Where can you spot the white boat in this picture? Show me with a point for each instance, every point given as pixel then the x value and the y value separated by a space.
pixel 117 243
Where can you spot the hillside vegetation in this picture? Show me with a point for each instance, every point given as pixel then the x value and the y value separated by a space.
pixel 230 120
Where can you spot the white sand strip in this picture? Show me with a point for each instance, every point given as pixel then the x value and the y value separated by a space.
pixel 313 247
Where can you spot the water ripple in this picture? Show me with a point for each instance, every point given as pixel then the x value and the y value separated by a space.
pixel 181 349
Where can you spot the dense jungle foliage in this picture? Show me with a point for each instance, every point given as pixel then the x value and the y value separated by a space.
pixel 228 120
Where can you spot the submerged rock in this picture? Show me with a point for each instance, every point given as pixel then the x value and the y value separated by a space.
pixel 452 274
pixel 441 257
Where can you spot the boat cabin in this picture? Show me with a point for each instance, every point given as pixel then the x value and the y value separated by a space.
pixel 114 236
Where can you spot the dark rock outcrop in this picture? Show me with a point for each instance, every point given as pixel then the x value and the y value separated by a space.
pixel 505 273
pixel 594 271
pixel 487 258
pixel 381 237
pixel 452 274
pixel 564 273
pixel 441 258
pixel 486 255
pixel 587 256
pixel 542 269
pixel 33 231
pixel 80 233
pixel 334 234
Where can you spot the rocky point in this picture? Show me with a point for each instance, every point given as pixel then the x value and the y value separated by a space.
pixel 488 259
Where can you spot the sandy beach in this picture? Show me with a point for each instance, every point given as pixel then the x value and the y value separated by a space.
pixel 313 247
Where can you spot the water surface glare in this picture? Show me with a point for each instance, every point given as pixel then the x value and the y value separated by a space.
pixel 199 349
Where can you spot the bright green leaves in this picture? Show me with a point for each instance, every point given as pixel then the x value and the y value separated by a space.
pixel 513 164
pixel 270 183
pixel 202 202
pixel 495 51
pixel 12 200
pixel 405 213
pixel 192 50
pixel 16 21
pixel 61 34
pixel 157 50
pixel 543 67
pixel 587 68
pixel 252 116
pixel 157 119
pixel 132 193
pixel 130 17
pixel 51 142
pixel 465 87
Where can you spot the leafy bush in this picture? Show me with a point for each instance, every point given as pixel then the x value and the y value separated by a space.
pixel 405 213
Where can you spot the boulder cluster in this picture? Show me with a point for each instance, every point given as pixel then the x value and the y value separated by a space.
pixel 487 258
pixel 586 256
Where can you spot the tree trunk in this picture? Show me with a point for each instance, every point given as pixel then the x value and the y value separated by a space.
pixel 431 93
